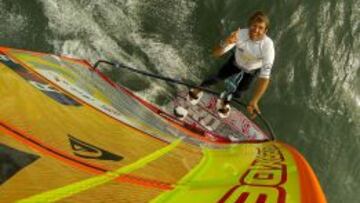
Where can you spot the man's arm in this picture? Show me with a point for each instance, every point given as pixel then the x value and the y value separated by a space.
pixel 263 79
pixel 226 45
pixel 261 87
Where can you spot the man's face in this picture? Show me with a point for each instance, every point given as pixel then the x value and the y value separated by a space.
pixel 257 30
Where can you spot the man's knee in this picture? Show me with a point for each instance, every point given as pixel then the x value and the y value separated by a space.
pixel 210 81
pixel 238 95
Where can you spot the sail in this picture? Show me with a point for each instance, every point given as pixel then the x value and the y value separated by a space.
pixel 68 133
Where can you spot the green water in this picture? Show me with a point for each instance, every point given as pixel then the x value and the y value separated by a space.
pixel 313 102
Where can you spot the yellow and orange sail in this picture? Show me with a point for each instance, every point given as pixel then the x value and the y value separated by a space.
pixel 70 134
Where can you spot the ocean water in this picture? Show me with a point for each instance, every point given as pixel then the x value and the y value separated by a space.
pixel 313 102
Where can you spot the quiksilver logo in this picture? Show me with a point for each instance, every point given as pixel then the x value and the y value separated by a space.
pixel 88 151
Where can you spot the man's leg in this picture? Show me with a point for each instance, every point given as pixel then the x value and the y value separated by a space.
pixel 226 70
pixel 244 85
pixel 224 103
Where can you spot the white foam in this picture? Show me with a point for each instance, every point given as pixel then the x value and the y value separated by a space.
pixel 11 23
pixel 93 30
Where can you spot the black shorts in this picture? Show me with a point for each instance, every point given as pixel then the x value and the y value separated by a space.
pixel 227 70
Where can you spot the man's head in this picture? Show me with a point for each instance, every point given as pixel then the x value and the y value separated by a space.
pixel 258 25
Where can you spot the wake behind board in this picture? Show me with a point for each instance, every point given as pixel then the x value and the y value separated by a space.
pixel 204 115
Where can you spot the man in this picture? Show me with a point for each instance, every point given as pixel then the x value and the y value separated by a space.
pixel 254 56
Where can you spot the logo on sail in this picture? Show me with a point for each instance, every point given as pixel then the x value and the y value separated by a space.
pixel 88 151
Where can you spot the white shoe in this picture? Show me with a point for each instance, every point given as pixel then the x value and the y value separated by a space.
pixel 180 112
pixel 195 101
pixel 233 138
pixel 223 110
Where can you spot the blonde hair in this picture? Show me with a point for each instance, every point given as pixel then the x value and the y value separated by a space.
pixel 259 16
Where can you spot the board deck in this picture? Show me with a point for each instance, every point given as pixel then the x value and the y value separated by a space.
pixel 204 115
